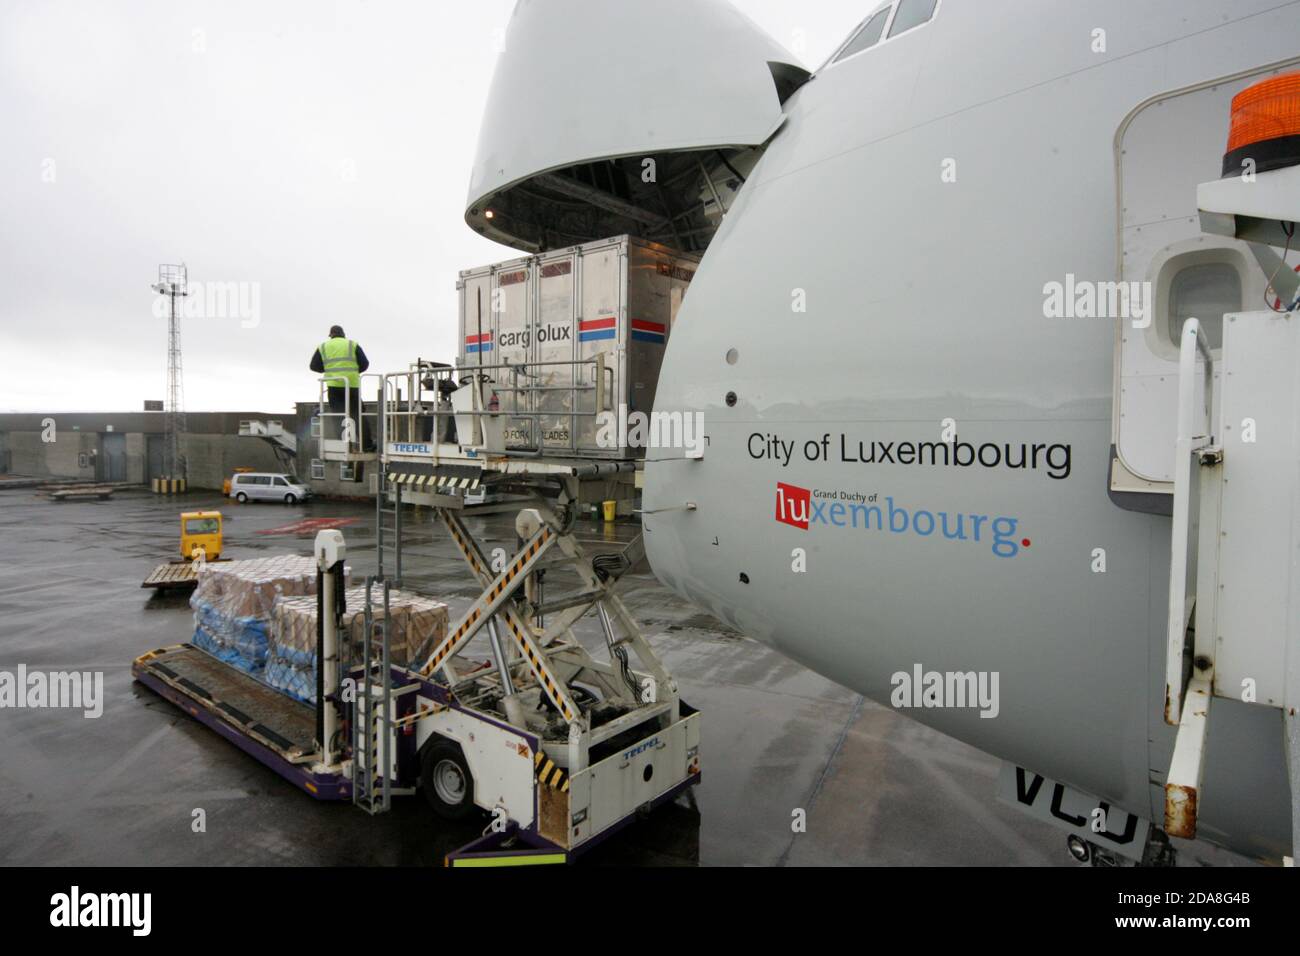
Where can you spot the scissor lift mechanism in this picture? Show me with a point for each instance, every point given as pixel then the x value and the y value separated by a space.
pixel 536 646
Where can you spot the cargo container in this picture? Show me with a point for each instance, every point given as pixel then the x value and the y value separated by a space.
pixel 559 332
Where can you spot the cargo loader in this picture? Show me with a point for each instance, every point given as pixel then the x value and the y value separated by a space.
pixel 558 748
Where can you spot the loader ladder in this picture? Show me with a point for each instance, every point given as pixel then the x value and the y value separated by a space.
pixel 388 524
pixel 372 723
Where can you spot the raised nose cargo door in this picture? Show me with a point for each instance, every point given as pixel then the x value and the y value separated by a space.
pixel 607 119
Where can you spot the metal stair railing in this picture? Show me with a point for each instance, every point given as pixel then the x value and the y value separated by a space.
pixel 1187 701
pixel 1194 436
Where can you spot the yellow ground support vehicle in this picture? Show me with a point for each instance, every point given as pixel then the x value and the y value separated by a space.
pixel 201 540
pixel 201 530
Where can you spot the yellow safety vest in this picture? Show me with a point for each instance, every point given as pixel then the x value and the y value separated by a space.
pixel 339 356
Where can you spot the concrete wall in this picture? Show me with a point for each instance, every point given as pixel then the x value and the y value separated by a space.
pixel 199 423
pixel 213 458
pixel 30 454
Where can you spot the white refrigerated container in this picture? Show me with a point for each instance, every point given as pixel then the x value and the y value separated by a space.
pixel 547 330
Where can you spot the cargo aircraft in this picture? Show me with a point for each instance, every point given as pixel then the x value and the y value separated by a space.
pixel 957 456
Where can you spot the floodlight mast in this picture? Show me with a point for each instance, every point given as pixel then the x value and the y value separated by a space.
pixel 173 283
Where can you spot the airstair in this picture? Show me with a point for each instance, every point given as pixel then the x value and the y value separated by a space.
pixel 284 443
pixel 1234 582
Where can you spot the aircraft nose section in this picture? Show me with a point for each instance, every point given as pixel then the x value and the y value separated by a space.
pixel 600 113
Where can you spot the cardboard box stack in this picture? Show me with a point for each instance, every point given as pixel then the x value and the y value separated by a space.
pixel 418 624
pixel 234 599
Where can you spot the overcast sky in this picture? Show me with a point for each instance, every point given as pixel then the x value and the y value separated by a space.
pixel 317 153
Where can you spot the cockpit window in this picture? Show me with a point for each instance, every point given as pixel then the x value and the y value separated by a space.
pixel 868 36
pixel 912 13
pixel 899 17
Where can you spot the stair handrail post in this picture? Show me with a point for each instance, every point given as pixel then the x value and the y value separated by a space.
pixel 1193 342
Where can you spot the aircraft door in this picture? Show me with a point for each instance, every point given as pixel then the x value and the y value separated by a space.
pixel 1170 270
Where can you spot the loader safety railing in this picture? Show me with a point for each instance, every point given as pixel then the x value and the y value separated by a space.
pixel 343 434
pixel 422 403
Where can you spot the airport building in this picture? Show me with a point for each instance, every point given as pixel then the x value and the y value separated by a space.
pixel 129 446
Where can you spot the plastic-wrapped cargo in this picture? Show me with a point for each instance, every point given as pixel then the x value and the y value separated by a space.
pixel 417 625
pixel 233 602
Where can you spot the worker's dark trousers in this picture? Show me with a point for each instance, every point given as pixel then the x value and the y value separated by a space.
pixel 338 398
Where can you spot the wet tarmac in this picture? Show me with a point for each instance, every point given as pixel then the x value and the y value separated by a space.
pixel 877 788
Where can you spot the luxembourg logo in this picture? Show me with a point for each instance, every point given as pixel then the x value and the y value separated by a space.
pixel 803 508
pixel 792 505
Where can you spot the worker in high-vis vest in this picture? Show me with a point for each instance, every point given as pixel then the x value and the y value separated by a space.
pixel 341 361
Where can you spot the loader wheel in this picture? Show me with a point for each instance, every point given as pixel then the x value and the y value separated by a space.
pixel 446 780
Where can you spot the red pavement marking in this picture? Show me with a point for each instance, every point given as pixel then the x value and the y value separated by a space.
pixel 309 526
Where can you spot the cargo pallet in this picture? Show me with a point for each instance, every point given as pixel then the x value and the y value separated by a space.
pixel 83 493
pixel 174 575
pixel 272 728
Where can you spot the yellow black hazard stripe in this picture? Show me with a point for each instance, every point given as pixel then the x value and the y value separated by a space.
pixel 430 482
pixel 550 774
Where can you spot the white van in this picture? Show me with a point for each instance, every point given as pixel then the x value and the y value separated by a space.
pixel 265 486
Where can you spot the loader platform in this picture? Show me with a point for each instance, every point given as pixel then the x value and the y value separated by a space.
pixel 261 721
